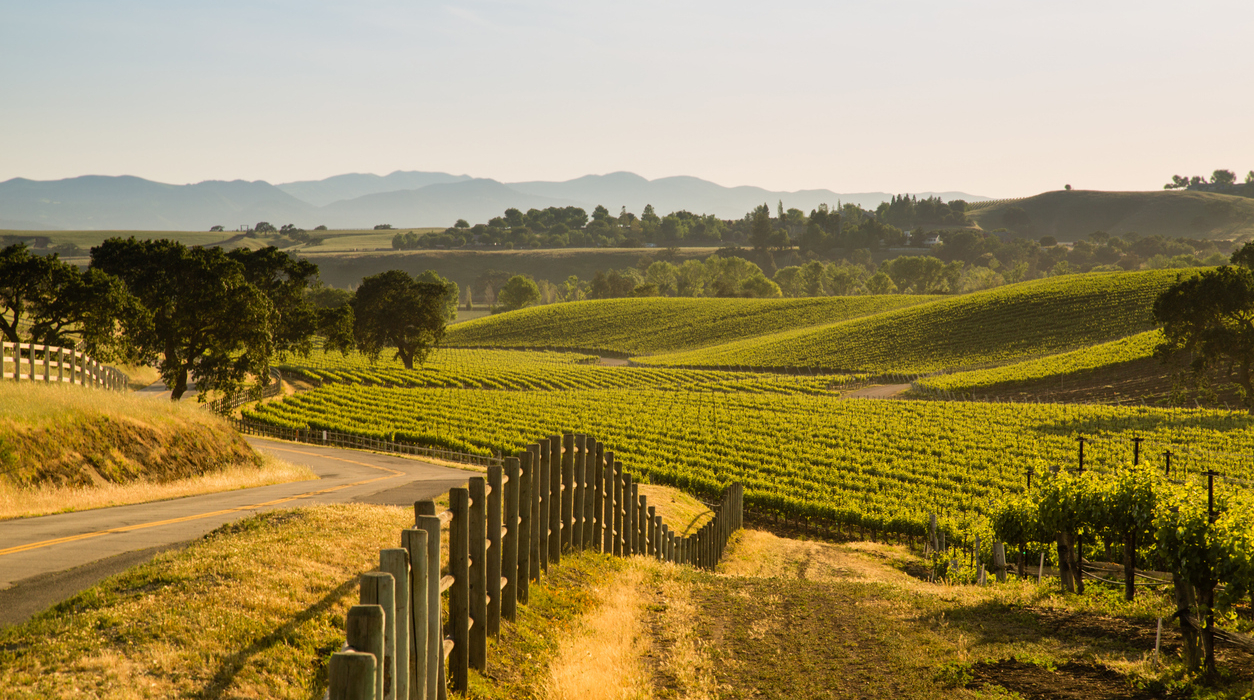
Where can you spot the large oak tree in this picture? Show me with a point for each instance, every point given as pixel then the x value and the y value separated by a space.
pixel 393 310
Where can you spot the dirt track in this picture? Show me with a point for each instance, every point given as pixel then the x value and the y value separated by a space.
pixel 884 391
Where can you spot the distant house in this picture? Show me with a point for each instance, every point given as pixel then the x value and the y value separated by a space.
pixel 931 240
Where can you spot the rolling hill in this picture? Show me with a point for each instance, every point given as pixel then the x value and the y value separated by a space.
pixel 1073 215
pixel 661 324
pixel 1008 323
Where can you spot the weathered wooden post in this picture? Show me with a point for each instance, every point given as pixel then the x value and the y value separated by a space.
pixel 364 632
pixel 542 513
pixel 619 484
pixel 598 496
pixel 523 574
pixel 555 499
pixel 629 511
pixel 426 519
pixel 999 560
pixel 568 487
pixel 478 538
pixel 396 563
pixel 607 502
pixel 535 524
pixel 492 570
pixel 379 589
pixel 459 592
pixel 352 676
pixel 577 502
pixel 415 543
pixel 509 544
pixel 648 512
pixel 641 519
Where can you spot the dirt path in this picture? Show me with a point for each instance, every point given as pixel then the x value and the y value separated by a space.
pixel 882 391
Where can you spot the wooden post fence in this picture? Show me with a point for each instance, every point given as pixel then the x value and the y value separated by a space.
pixel 501 535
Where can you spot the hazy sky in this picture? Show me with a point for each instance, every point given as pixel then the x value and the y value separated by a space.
pixel 998 98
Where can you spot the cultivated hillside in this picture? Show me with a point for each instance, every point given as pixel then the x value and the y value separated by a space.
pixel 1000 325
pixel 661 324
pixel 1070 216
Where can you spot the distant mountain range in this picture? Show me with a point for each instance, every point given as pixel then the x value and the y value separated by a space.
pixel 404 199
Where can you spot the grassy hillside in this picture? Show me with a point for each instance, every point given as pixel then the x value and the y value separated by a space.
pixel 69 436
pixel 1000 325
pixel 1070 216
pixel 654 325
pixel 1130 349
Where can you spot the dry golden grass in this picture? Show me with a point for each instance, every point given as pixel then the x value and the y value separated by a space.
pixel 601 658
pixel 253 610
pixel 681 512
pixel 70 436
pixel 17 502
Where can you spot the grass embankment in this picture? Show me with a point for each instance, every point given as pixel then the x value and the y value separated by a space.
pixel 1000 325
pixel 68 448
pixel 254 609
pixel 662 324
pixel 1071 216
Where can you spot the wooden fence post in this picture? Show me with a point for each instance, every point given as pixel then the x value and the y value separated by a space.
pixel 426 519
pixel 509 544
pixel 589 494
pixel 568 487
pixel 659 541
pixel 999 560
pixel 396 563
pixel 478 539
pixel 576 514
pixel 523 588
pixel 607 503
pixel 647 531
pixel 542 513
pixel 555 499
pixel 598 496
pixel 415 542
pixel 459 593
pixel 534 523
pixel 617 522
pixel 364 632
pixel 641 521
pixel 352 676
pixel 379 589
pixel 492 572
pixel 629 515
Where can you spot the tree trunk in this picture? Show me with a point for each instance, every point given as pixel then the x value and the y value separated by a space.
pixel 1064 562
pixel 406 355
pixel 1184 609
pixel 1077 563
pixel 1208 631
pixel 180 384
pixel 1129 566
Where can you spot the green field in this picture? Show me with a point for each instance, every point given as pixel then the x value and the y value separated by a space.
pixel 660 324
pixel 516 370
pixel 1022 320
pixel 882 464
pixel 1104 355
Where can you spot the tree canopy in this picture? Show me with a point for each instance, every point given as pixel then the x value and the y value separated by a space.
pixel 393 310
pixel 1211 316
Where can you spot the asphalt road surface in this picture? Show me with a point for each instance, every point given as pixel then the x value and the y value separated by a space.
pixel 47 559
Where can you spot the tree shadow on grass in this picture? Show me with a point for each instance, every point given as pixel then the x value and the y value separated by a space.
pixel 232 666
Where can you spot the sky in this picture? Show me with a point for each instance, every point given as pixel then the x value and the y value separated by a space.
pixel 1002 99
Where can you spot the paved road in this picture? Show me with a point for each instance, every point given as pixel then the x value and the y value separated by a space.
pixel 47 559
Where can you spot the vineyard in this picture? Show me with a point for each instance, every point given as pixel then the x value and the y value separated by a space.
pixel 1001 325
pixel 1136 347
pixel 659 324
pixel 518 370
pixel 878 465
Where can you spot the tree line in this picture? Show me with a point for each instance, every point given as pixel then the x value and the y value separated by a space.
pixel 213 317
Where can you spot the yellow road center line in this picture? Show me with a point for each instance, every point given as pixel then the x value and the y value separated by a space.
pixel 130 528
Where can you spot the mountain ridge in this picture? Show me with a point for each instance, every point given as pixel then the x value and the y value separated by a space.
pixel 362 200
